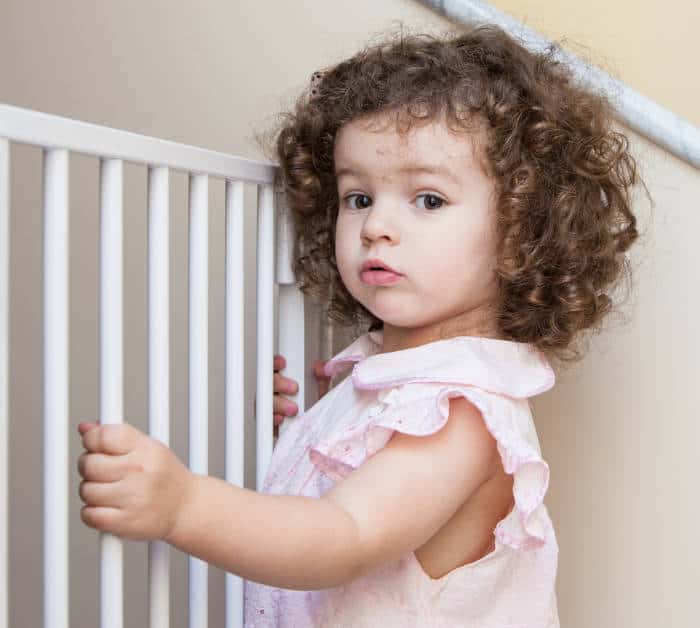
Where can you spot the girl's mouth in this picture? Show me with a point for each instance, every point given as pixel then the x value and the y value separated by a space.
pixel 379 277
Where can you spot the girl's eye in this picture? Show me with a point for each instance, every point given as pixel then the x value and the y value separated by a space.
pixel 349 196
pixel 435 198
pixel 430 205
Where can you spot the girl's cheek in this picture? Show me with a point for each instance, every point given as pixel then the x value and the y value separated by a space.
pixel 342 254
pixel 342 264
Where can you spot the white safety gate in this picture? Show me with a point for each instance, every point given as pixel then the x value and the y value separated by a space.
pixel 58 137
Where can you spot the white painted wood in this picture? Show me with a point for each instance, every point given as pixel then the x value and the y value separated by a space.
pixel 291 328
pixel 235 371
pixel 159 370
pixel 198 371
pixel 55 202
pixel 59 136
pixel 111 368
pixel 265 344
pixel 43 129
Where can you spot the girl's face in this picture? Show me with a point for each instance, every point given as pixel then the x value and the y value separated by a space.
pixel 435 228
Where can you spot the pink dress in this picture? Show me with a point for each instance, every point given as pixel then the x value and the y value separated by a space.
pixel 408 391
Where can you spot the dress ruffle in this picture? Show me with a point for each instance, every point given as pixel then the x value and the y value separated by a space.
pixel 421 410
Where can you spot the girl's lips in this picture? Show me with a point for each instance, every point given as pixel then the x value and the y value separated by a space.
pixel 379 277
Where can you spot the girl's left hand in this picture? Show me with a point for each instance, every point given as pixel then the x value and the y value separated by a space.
pixel 134 486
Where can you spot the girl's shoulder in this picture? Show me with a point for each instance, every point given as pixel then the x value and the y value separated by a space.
pixel 412 389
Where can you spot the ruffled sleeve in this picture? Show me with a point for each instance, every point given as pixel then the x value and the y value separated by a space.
pixel 421 410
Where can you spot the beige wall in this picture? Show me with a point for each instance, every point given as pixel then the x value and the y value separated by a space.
pixel 617 429
pixel 650 45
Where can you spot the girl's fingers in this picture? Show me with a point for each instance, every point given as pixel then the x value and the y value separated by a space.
pixel 99 493
pixel 279 410
pixel 102 467
pixel 279 405
pixel 318 370
pixel 283 406
pixel 282 384
pixel 86 426
pixel 323 380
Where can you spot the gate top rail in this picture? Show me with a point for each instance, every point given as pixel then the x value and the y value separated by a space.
pixel 50 131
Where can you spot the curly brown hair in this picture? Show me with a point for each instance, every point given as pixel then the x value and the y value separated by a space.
pixel 563 175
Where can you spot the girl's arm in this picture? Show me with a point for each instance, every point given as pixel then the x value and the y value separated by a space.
pixel 286 541
pixel 392 504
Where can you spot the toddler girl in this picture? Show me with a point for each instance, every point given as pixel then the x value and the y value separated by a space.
pixel 465 207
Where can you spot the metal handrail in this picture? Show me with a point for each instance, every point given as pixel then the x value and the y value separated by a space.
pixel 641 114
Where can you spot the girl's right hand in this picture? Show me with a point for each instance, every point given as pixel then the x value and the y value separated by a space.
pixel 283 406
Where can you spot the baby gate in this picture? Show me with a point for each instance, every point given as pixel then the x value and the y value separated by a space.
pixel 58 137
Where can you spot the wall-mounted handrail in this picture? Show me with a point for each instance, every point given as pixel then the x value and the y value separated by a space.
pixel 640 113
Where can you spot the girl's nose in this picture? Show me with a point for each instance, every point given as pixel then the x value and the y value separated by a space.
pixel 379 223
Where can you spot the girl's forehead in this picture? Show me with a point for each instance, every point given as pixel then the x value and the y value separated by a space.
pixel 431 141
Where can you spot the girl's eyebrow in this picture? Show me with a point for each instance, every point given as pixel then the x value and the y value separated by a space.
pixel 428 169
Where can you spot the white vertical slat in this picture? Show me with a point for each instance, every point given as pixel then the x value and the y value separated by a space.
pixel 199 295
pixel 265 345
pixel 235 364
pixel 55 388
pixel 159 370
pixel 292 341
pixel 111 368
pixel 4 372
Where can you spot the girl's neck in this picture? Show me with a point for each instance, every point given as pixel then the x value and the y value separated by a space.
pixel 397 338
